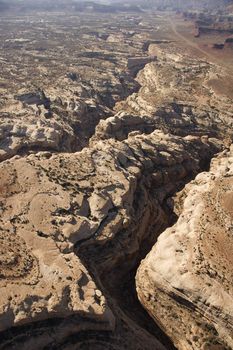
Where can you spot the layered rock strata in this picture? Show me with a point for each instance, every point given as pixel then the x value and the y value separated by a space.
pixel 185 282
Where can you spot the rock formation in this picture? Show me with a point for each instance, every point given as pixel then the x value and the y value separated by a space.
pixel 185 282
pixel 92 201
pixel 103 121
pixel 168 98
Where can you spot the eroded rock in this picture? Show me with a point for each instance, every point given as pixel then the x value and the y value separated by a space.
pixel 90 202
pixel 185 281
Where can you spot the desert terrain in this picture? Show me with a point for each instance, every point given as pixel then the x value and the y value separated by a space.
pixel 116 175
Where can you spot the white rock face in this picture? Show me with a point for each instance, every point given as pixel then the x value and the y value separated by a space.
pixel 185 282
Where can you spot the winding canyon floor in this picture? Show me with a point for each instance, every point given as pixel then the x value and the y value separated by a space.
pixel 115 132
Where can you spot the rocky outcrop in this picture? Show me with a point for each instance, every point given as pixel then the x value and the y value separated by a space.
pixel 152 162
pixel 170 98
pixel 48 104
pixel 135 64
pixel 91 203
pixel 25 136
pixel 185 281
pixel 121 125
pixel 40 279
pixel 64 125
pixel 177 118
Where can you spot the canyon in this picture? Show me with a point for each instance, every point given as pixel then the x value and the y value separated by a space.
pixel 116 167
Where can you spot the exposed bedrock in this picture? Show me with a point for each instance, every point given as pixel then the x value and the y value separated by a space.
pixel 100 203
pixel 63 126
pixel 185 282
pixel 178 119
pixel 178 94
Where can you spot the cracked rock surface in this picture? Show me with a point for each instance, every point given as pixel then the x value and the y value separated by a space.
pixel 51 204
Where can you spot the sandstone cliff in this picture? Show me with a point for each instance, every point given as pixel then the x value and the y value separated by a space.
pixel 185 282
